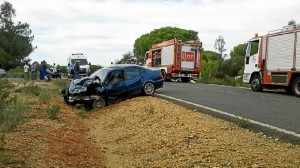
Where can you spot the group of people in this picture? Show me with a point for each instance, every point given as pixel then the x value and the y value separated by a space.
pixel 74 69
pixel 35 68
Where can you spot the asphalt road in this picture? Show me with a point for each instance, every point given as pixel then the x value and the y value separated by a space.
pixel 276 109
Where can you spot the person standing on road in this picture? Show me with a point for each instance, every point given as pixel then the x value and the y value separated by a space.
pixel 44 70
pixel 76 70
pixel 26 71
pixel 34 68
pixel 54 68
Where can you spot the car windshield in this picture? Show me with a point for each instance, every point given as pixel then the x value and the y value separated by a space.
pixel 101 73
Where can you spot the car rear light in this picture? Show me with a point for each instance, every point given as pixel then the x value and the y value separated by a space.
pixel 160 75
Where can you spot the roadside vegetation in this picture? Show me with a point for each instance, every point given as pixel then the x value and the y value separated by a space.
pixel 32 117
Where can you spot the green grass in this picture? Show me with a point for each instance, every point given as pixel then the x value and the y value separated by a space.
pixel 12 115
pixel 44 96
pixel 31 89
pixel 61 83
pixel 82 112
pixel 243 122
pixel 227 81
pixel 53 112
pixel 151 109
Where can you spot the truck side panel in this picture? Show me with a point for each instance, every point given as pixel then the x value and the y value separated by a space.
pixel 188 58
pixel 168 55
pixel 298 51
pixel 280 52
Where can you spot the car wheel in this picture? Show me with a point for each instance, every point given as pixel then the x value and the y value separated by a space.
pixel 97 103
pixel 66 97
pixel 256 85
pixel 149 89
pixel 296 87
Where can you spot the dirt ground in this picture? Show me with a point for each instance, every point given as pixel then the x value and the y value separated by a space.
pixel 151 132
pixel 139 132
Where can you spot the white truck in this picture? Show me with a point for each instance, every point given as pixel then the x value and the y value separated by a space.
pixel 83 63
pixel 176 59
pixel 273 60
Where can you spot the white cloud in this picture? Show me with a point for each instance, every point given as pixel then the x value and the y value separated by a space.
pixel 106 29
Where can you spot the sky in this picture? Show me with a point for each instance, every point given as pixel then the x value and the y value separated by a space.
pixel 104 30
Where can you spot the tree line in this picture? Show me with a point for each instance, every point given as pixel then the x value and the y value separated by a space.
pixel 214 63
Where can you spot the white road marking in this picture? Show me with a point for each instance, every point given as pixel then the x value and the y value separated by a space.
pixel 281 130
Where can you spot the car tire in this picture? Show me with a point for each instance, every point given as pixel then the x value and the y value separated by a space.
pixel 256 84
pixel 148 89
pixel 98 103
pixel 296 87
pixel 66 97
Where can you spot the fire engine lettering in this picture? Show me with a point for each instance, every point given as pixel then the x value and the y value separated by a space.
pixel 190 56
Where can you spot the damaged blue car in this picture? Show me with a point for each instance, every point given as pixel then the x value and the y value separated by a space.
pixel 113 84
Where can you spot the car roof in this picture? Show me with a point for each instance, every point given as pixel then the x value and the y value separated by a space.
pixel 122 66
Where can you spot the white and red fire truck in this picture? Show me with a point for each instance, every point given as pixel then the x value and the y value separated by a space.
pixel 273 60
pixel 176 59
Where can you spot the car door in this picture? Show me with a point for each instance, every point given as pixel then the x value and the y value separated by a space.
pixel 115 86
pixel 133 80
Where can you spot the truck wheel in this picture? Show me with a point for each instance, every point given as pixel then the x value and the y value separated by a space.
pixel 256 85
pixel 166 76
pixel 296 87
pixel 148 89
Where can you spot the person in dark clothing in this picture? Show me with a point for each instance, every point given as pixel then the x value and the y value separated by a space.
pixel 76 70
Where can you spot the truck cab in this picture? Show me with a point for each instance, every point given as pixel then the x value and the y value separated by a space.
pixel 83 63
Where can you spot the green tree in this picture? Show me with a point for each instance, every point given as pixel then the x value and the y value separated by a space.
pixel 145 41
pixel 128 58
pixel 94 68
pixel 234 66
pixel 15 38
pixel 210 64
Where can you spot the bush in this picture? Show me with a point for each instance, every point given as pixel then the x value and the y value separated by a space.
pixel 53 111
pixel 44 96
pixel 5 87
pixel 15 73
pixel 12 115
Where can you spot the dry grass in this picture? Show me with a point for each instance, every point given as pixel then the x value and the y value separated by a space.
pixel 140 132
pixel 150 132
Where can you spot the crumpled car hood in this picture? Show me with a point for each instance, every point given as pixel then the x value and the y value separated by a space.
pixel 79 86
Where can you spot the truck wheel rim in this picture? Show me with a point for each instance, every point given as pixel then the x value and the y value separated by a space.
pixel 149 88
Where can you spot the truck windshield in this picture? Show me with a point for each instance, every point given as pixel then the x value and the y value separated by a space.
pixel 252 48
pixel 81 61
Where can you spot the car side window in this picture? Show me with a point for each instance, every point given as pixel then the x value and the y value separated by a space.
pixel 132 73
pixel 115 77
